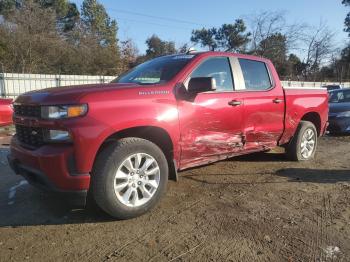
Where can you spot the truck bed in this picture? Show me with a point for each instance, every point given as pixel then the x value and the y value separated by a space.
pixel 301 101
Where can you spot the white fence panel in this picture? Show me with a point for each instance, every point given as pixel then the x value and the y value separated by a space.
pixel 68 80
pixel 301 84
pixel 12 84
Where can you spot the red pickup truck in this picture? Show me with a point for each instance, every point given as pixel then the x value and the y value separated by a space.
pixel 122 141
pixel 5 112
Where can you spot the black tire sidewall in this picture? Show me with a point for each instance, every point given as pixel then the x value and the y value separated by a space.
pixel 103 181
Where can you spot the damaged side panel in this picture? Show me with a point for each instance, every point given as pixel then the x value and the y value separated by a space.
pixel 203 148
pixel 210 129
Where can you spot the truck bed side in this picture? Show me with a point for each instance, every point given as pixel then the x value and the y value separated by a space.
pixel 304 104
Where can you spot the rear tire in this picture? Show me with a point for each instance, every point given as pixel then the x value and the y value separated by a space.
pixel 129 177
pixel 303 145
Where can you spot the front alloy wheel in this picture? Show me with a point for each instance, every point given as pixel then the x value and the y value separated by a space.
pixel 137 180
pixel 129 177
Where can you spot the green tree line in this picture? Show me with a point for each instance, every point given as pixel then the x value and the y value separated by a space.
pixel 57 37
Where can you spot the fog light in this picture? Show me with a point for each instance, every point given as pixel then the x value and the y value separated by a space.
pixel 58 136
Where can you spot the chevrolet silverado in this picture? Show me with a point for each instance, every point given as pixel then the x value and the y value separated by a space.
pixel 122 141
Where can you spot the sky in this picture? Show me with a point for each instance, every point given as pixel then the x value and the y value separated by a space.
pixel 139 19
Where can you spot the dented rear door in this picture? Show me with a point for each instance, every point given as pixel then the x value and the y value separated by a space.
pixel 264 104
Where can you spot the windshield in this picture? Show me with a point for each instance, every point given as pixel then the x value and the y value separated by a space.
pixel 339 96
pixel 156 71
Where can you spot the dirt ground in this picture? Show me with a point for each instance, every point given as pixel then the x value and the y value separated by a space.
pixel 252 208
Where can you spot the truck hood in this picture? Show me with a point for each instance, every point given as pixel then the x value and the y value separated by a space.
pixel 69 94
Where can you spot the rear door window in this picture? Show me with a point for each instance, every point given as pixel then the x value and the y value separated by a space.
pixel 255 73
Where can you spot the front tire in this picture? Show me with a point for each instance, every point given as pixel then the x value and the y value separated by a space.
pixel 303 145
pixel 129 177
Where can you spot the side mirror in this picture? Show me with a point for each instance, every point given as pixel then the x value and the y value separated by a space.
pixel 201 84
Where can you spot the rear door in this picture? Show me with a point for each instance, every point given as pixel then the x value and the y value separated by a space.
pixel 263 105
pixel 211 125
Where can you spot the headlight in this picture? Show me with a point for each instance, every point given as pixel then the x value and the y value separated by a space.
pixel 57 136
pixel 59 112
pixel 344 114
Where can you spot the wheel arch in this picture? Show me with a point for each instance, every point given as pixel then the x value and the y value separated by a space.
pixel 314 118
pixel 156 135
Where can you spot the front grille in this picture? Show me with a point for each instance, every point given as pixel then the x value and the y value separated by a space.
pixel 27 110
pixel 30 136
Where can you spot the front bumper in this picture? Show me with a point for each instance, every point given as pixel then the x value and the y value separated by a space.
pixel 339 125
pixel 50 168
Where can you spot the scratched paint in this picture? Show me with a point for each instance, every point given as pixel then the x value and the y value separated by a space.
pixel 13 191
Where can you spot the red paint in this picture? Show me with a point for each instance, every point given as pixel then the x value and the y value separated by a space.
pixel 204 130
pixel 51 161
pixel 5 112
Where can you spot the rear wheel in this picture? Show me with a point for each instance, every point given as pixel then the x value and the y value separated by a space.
pixel 129 177
pixel 304 143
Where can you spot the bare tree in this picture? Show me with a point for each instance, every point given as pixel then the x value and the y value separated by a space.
pixel 31 42
pixel 319 48
pixel 265 25
pixel 128 55
pixel 183 48
pixel 28 33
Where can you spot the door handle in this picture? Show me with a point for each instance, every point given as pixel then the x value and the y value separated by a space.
pixel 235 103
pixel 278 101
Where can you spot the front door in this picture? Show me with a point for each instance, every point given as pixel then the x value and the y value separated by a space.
pixel 211 124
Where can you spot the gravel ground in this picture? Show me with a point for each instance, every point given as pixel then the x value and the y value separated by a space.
pixel 252 208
